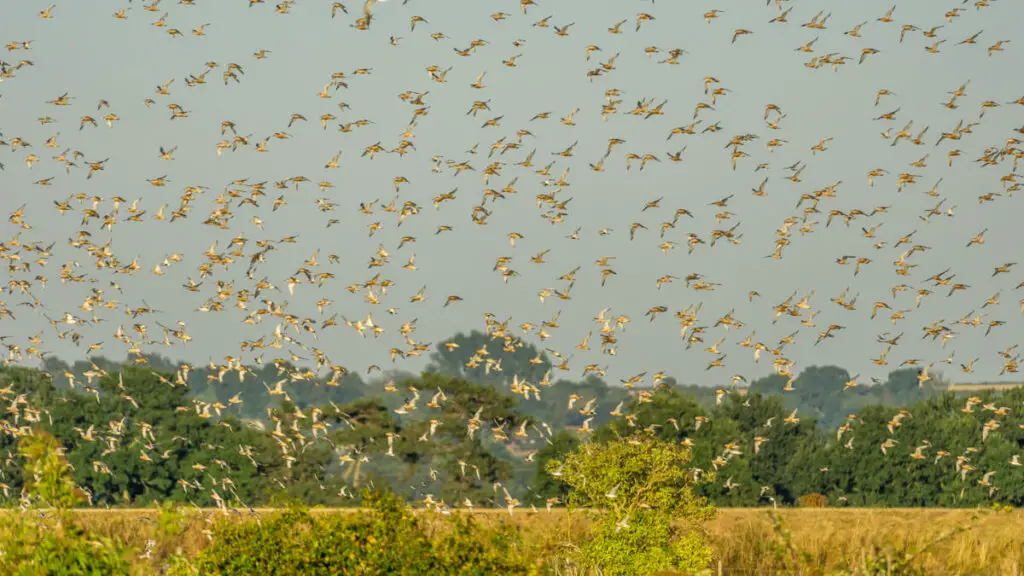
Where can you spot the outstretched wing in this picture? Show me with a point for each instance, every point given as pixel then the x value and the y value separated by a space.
pixel 366 8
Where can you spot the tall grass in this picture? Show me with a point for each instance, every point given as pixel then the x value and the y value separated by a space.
pixel 829 540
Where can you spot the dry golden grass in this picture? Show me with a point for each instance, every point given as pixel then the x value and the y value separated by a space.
pixel 994 545
pixel 742 538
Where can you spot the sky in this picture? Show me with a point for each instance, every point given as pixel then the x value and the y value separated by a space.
pixel 84 51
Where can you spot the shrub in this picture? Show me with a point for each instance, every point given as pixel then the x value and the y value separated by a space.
pixel 648 517
pixel 47 472
pixel 285 542
pixel 171 519
pixel 33 545
pixel 386 540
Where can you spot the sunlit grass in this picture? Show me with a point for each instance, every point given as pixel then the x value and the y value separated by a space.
pixel 995 544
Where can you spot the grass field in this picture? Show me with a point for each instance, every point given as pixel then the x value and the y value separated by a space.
pixel 993 545
pixel 743 539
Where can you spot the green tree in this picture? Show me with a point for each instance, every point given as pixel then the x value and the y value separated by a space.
pixel 558 447
pixel 647 514
pixel 514 354
pixel 47 472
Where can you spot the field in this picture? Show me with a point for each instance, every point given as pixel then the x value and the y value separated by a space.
pixel 743 539
pixel 994 545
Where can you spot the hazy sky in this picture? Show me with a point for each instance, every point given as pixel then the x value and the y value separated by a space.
pixel 88 53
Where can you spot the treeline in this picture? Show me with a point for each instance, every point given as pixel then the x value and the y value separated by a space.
pixel 815 392
pixel 135 435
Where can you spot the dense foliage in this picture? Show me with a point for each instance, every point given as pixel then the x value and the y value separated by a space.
pixel 156 431
pixel 51 542
pixel 387 539
pixel 33 547
pixel 640 492
pixel 647 515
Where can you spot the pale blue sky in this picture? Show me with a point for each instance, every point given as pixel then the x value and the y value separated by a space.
pixel 85 51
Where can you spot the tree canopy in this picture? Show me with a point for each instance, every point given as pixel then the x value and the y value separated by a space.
pixel 164 431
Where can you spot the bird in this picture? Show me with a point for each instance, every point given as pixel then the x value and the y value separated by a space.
pixel 267 246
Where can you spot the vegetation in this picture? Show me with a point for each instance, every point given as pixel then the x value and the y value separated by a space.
pixel 647 517
pixel 34 546
pixel 157 431
pixel 387 539
pixel 53 543
pixel 836 541
pixel 641 471
pixel 862 542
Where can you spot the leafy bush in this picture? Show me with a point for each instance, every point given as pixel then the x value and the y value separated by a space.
pixel 648 517
pixel 30 547
pixel 47 472
pixel 51 543
pixel 171 519
pixel 386 540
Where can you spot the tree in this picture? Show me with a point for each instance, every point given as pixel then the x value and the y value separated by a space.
pixel 134 439
pixel 544 484
pixel 47 472
pixel 647 514
pixel 517 359
pixel 456 448
pixel 788 458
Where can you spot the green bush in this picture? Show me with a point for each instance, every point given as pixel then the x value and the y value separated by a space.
pixel 51 543
pixel 648 517
pixel 388 539
pixel 47 472
pixel 29 547
pixel 171 519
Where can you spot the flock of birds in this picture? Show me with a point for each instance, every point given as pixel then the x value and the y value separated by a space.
pixel 276 308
